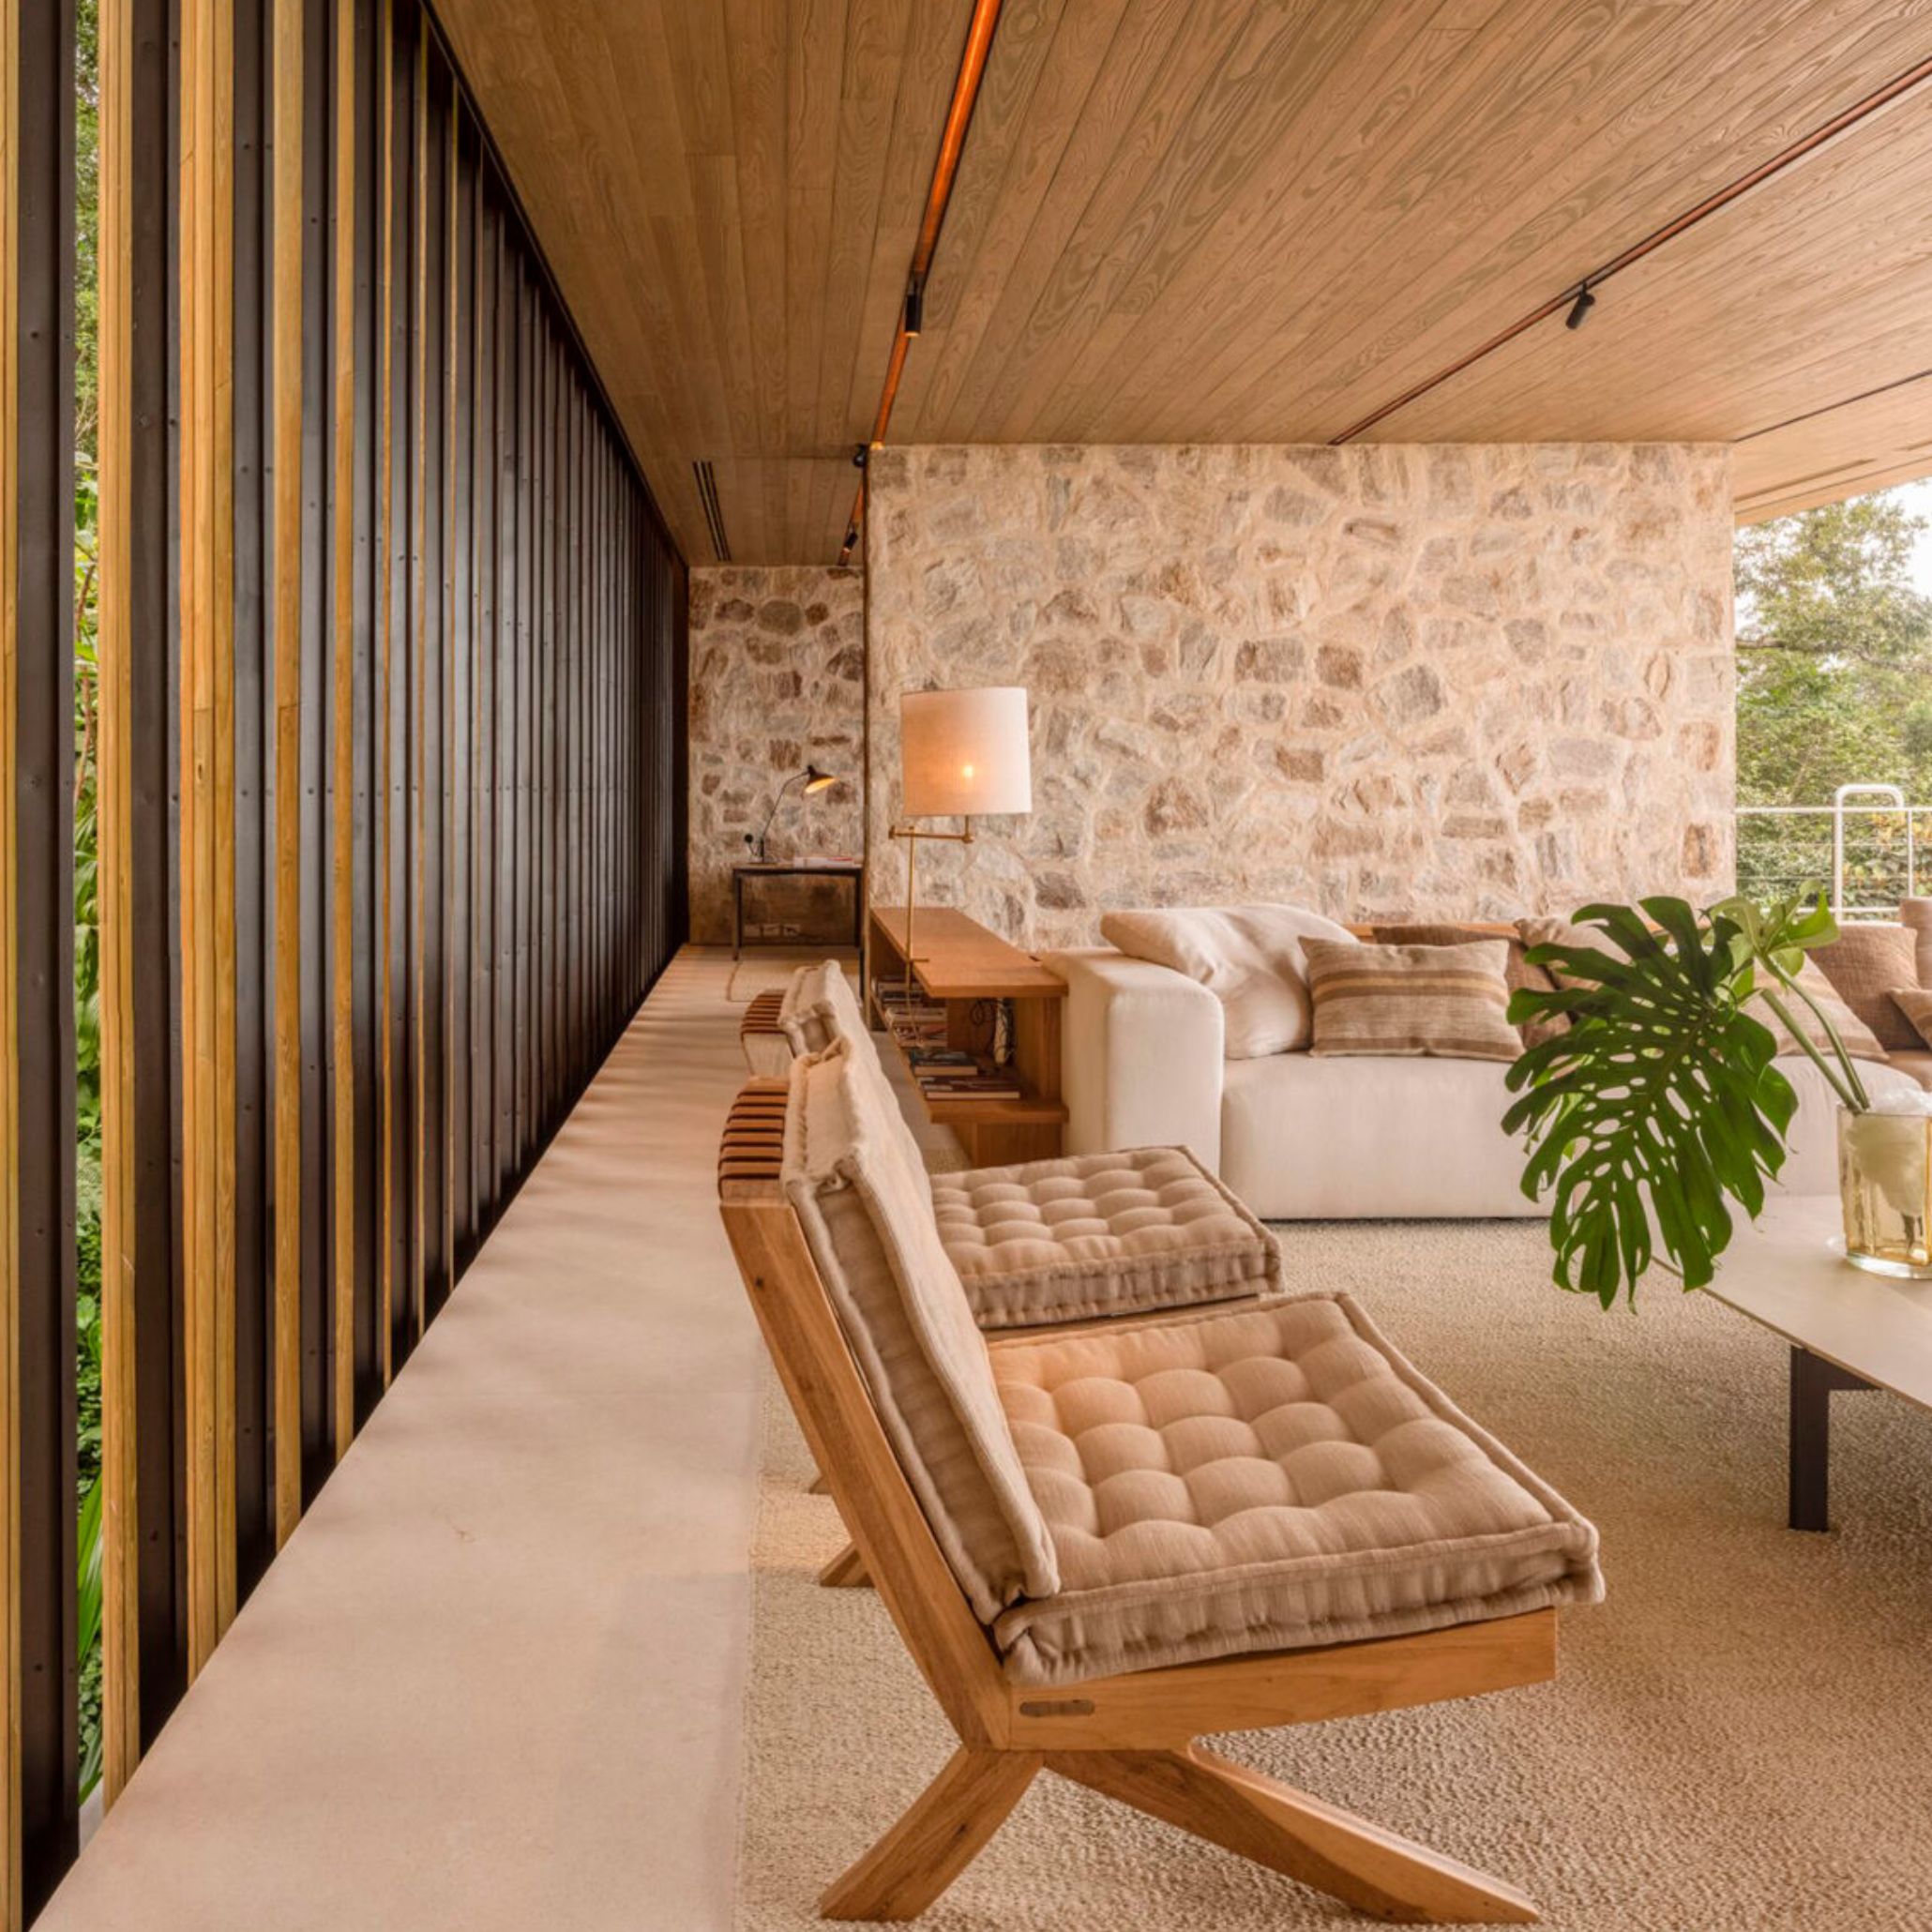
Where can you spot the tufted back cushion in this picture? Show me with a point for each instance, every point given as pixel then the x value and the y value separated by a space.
pixel 818 1008
pixel 866 1214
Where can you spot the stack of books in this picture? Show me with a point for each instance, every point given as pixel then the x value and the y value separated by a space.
pixel 909 1016
pixel 946 1073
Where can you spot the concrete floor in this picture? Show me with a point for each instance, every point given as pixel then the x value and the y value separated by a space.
pixel 494 1680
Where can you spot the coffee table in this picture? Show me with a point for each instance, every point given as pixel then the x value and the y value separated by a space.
pixel 1847 1329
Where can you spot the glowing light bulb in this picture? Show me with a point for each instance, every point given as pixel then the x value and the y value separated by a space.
pixel 966 771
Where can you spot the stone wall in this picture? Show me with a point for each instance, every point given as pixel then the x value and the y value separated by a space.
pixel 777 683
pixel 1473 680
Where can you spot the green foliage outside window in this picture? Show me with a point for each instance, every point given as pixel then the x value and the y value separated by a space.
pixel 1834 686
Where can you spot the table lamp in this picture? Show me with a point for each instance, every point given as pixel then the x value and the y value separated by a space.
pixel 815 780
pixel 962 754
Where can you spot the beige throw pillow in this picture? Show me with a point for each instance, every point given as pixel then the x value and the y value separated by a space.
pixel 1517 973
pixel 1865 965
pixel 1446 1002
pixel 1248 957
pixel 1860 1041
pixel 1916 1004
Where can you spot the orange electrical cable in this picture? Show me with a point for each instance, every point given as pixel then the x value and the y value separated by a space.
pixel 952 144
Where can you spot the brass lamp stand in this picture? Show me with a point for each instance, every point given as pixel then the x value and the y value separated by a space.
pixel 911 834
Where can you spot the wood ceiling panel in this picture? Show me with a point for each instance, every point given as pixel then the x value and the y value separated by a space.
pixel 1211 220
pixel 1860 446
pixel 1734 326
pixel 727 190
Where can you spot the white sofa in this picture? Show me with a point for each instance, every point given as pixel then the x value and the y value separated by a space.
pixel 1300 1137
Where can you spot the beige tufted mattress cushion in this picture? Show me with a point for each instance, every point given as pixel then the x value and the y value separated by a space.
pixel 1099 1234
pixel 1264 1478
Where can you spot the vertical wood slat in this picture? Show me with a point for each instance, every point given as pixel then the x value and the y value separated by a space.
pixel 288 51
pixel 113 822
pixel 207 826
pixel 36 908
pixel 383 813
pixel 343 768
pixel 144 1648
pixel 13 1581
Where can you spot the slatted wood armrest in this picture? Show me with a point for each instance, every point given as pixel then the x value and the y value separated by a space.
pixel 766 1047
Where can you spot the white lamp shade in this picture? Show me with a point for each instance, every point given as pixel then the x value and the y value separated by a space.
pixel 963 754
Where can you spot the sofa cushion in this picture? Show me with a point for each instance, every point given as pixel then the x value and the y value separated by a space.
pixel 1864 963
pixel 1448 1001
pixel 1248 957
pixel 1305 1137
pixel 1915 1009
pixel 1264 1479
pixel 1860 1041
pixel 1517 973
pixel 1547 930
pixel 1099 1234
pixel 1917 1064
pixel 1915 915
pixel 819 1006
pixel 867 1218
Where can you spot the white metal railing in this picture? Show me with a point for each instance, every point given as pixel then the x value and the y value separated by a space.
pixel 1886 871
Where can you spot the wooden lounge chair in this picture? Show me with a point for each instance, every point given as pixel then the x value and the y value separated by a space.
pixel 968 1477
pixel 1044 1243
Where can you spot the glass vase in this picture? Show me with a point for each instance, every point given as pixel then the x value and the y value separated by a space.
pixel 1885 1182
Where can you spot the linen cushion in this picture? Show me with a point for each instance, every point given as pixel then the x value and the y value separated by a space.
pixel 1547 930
pixel 1860 1041
pixel 1915 1009
pixel 1917 1064
pixel 1260 1479
pixel 1864 965
pixel 1248 957
pixel 1516 969
pixel 1099 1234
pixel 1445 1000
pixel 818 1008
pixel 867 1218
pixel 1915 915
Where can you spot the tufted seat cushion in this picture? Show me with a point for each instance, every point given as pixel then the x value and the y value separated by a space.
pixel 1099 1234
pixel 1263 1478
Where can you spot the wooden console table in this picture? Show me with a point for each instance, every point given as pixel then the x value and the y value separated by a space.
pixel 968 970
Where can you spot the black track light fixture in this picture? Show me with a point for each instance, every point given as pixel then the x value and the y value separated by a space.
pixel 1581 307
pixel 858 457
pixel 915 306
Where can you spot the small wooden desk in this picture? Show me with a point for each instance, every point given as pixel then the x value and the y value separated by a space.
pixel 794 868
pixel 968 970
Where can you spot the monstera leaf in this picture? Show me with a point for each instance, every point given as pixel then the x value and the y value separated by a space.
pixel 1659 1104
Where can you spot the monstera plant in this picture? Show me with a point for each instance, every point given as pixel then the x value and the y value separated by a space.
pixel 1656 1108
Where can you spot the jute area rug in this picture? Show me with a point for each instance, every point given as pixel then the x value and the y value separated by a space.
pixel 1740 1737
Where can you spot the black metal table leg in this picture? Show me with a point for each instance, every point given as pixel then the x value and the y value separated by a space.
pixel 1813 1380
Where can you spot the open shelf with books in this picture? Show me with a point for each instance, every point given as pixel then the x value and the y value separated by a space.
pixel 977 1024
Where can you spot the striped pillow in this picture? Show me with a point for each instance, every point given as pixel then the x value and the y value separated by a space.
pixel 1447 1001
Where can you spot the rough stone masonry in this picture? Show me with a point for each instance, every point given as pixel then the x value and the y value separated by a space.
pixel 1453 680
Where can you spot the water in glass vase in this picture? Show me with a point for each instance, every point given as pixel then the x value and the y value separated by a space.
pixel 1885 1182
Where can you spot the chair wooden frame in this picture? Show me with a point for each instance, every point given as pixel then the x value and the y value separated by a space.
pixel 1132 1736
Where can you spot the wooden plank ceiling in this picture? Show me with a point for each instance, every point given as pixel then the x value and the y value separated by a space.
pixel 1221 221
